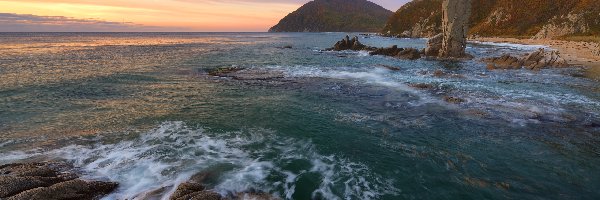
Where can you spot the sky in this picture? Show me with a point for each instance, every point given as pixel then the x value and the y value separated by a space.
pixel 150 15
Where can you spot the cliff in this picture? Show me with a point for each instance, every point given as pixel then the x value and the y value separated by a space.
pixel 335 16
pixel 511 18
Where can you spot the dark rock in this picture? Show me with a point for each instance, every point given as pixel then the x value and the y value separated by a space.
pixel 409 54
pixel 224 71
pixel 424 86
pixel 391 51
pixel 50 180
pixel 454 100
pixel 287 47
pixel 349 44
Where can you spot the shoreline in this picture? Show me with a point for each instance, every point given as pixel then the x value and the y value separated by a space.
pixel 576 53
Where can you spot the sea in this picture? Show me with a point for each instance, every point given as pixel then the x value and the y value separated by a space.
pixel 143 110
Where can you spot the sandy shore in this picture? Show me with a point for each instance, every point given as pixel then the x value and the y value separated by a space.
pixel 576 53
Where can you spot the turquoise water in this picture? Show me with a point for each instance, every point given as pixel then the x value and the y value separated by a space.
pixel 141 109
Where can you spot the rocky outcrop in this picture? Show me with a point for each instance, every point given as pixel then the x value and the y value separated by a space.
pixel 394 51
pixel 434 45
pixel 401 53
pixel 596 50
pixel 195 189
pixel 48 181
pixel 535 61
pixel 564 25
pixel 349 44
pixel 455 27
pixel 335 16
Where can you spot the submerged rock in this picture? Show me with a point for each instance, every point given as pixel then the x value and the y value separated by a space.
pixel 223 71
pixel 455 100
pixel 48 181
pixel 534 61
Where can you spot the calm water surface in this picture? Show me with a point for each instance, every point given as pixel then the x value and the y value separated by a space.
pixel 141 109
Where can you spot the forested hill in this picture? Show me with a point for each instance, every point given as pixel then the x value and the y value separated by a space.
pixel 335 16
pixel 521 18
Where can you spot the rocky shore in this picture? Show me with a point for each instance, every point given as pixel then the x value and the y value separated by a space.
pixel 59 181
pixel 48 180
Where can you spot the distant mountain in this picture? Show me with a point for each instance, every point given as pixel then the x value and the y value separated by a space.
pixel 520 18
pixel 335 16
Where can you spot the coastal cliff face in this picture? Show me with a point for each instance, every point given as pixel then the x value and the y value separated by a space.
pixel 533 18
pixel 335 16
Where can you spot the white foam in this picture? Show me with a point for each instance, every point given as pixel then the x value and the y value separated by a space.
pixel 171 153
pixel 512 45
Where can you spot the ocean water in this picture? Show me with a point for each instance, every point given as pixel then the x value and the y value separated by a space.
pixel 140 109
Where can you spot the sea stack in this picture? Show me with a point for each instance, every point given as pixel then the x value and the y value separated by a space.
pixel 455 26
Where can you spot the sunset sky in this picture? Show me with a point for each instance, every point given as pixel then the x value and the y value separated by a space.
pixel 149 15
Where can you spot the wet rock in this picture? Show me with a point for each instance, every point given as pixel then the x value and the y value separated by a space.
pixel 287 47
pixel 439 73
pixel 533 61
pixel 195 191
pixel 73 189
pixel 48 181
pixel 503 62
pixel 434 45
pixel 455 26
pixel 392 68
pixel 349 44
pixel 423 86
pixel 454 100
pixel 543 59
pixel 401 53
pixel 224 71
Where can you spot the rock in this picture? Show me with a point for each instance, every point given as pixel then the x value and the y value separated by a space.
pixel 454 100
pixel 349 44
pixel 533 61
pixel 543 59
pixel 439 73
pixel 196 191
pixel 287 47
pixel 434 45
pixel 73 189
pixel 423 86
pixel 596 51
pixel 504 62
pixel 402 53
pixel 224 71
pixel 391 51
pixel 455 26
pixel 51 180
pixel 409 54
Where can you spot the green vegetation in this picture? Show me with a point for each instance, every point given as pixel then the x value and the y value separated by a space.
pixel 500 17
pixel 335 16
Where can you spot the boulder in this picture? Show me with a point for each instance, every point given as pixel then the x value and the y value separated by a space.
pixel 51 180
pixel 434 45
pixel 533 61
pixel 401 53
pixel 544 59
pixel 455 26
pixel 193 191
pixel 504 62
